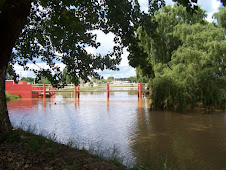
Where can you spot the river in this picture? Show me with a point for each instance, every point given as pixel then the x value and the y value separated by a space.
pixel 183 141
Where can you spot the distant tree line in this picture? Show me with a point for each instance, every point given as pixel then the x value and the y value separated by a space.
pixel 67 79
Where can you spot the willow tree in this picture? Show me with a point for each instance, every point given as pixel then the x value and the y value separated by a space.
pixel 196 72
pixel 187 57
pixel 161 43
pixel 221 17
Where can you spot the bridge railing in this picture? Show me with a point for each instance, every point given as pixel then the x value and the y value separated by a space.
pixel 46 89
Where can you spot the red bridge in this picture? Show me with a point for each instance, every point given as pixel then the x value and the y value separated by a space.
pixel 25 90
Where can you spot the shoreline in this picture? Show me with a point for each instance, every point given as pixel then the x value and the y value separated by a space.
pixel 24 150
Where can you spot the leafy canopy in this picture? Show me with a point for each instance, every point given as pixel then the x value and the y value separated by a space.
pixel 196 72
pixel 221 17
pixel 59 31
pixel 187 56
pixel 159 45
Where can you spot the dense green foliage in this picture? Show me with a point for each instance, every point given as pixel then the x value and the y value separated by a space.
pixel 132 79
pixel 11 74
pixel 31 80
pixel 100 80
pixel 28 79
pixel 43 80
pixel 187 55
pixel 110 79
pixel 159 45
pixel 66 78
pixel 221 17
pixel 61 31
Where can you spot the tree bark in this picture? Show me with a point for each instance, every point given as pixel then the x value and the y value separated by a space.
pixel 5 125
pixel 13 17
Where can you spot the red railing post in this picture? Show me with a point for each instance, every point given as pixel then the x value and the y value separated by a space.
pixel 78 90
pixel 75 92
pixel 44 90
pixel 107 90
pixel 50 90
pixel 140 90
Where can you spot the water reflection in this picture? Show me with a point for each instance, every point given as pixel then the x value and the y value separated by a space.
pixel 107 105
pixel 186 141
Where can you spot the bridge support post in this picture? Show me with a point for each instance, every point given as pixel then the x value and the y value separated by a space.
pixel 50 90
pixel 44 91
pixel 78 90
pixel 139 88
pixel 75 92
pixel 107 90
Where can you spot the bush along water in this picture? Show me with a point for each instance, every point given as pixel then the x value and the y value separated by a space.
pixel 187 59
pixel 10 97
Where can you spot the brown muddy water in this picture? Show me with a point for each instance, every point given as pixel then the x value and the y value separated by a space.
pixel 183 141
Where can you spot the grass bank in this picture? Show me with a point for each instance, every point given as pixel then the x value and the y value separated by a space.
pixel 10 97
pixel 24 150
pixel 93 88
pixel 84 88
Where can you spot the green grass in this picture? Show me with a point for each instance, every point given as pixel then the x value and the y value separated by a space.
pixel 44 142
pixel 85 88
pixel 41 140
pixel 92 88
pixel 111 154
pixel 122 86
pixel 10 97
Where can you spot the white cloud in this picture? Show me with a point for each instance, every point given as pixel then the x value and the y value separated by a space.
pixel 90 50
pixel 25 73
pixel 143 5
pixel 106 41
pixel 211 7
pixel 169 2
pixel 125 61
pixel 20 71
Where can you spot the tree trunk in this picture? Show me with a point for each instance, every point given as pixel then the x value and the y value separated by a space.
pixel 13 17
pixel 5 125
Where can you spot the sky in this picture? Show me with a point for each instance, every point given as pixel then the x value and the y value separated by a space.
pixel 106 40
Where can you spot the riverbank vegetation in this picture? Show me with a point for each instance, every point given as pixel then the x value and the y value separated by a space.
pixel 84 88
pixel 24 150
pixel 186 55
pixel 28 149
pixel 87 88
pixel 10 96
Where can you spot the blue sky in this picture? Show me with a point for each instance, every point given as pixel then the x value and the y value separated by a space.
pixel 106 40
